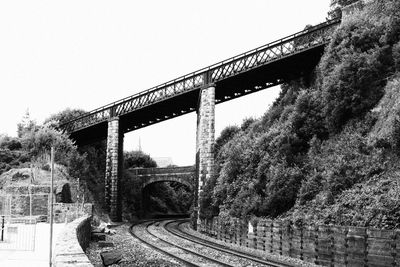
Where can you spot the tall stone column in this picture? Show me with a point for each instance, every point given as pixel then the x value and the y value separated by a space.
pixel 114 163
pixel 205 138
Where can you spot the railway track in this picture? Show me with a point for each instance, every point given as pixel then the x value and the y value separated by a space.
pixel 174 251
pixel 174 228
pixel 170 240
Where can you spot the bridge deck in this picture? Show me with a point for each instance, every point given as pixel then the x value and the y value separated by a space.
pixel 260 68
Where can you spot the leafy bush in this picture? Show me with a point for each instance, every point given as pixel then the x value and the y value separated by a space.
pixel 396 55
pixel 341 162
pixel 359 55
pixel 62 117
pixel 11 143
pixel 39 142
pixel 321 138
pixel 138 159
pixel 281 189
pixel 226 135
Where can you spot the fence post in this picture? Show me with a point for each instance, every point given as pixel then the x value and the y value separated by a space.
pixel 316 250
pixel 2 228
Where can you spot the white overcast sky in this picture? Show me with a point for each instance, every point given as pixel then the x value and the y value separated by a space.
pixel 85 54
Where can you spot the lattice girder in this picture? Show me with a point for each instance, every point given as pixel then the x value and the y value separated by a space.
pixel 296 43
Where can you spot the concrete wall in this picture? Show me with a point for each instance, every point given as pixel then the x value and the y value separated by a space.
pixel 321 244
pixel 71 244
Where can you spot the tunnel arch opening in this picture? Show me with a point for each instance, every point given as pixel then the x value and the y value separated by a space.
pixel 167 198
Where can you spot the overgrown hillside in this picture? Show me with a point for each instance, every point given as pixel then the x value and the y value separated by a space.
pixel 326 151
pixel 25 167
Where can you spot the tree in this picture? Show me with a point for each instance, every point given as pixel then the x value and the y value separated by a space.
pixel 342 3
pixel 138 159
pixel 336 7
pixel 226 135
pixel 360 51
pixel 26 125
pixel 11 143
pixel 39 142
pixel 64 116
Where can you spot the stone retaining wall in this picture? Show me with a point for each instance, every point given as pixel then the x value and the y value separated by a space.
pixel 67 212
pixel 71 244
pixel 321 244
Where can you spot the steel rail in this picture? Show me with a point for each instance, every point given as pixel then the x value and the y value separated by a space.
pixel 177 246
pixel 178 232
pixel 187 250
pixel 188 263
pixel 227 68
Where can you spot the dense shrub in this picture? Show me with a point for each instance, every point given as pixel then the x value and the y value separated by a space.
pixel 63 116
pixel 280 190
pixel 340 162
pixel 11 143
pixel 396 55
pixel 324 136
pixel 38 143
pixel 226 135
pixel 358 59
pixel 138 159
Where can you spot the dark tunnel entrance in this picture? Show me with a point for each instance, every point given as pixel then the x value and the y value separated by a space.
pixel 166 199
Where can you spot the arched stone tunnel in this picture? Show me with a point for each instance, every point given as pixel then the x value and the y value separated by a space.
pixel 150 176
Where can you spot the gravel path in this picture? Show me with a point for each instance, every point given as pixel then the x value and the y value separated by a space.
pixel 133 251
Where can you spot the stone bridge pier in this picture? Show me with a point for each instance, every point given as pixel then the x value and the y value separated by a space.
pixel 114 165
pixel 205 139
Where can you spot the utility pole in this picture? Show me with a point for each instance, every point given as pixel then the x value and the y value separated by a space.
pixel 51 207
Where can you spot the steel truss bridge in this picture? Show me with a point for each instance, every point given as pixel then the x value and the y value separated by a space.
pixel 266 66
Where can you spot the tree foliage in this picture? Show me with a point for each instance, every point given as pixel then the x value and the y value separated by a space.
pixel 63 116
pixel 318 140
pixel 359 57
pixel 138 159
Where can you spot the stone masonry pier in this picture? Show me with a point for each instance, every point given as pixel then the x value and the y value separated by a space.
pixel 205 140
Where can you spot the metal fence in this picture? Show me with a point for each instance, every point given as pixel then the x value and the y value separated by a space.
pixel 23 205
pixel 19 214
pixel 17 233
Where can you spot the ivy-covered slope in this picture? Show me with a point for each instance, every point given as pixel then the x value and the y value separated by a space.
pixel 326 151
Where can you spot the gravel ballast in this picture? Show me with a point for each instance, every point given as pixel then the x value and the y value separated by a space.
pixel 134 253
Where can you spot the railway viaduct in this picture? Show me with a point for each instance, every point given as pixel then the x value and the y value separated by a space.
pixel 281 61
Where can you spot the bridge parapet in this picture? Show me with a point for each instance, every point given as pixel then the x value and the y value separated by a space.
pixel 166 170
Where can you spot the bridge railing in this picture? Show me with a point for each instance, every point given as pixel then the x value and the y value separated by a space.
pixel 300 41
